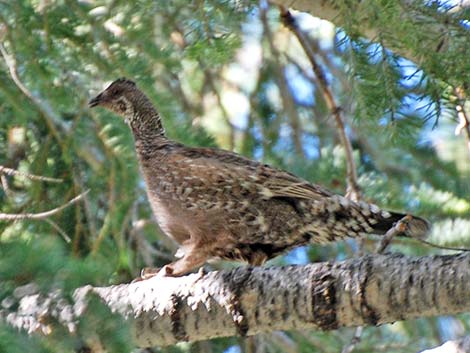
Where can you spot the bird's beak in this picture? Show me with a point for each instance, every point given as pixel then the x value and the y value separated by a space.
pixel 95 101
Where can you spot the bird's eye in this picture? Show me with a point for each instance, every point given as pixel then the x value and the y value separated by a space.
pixel 115 91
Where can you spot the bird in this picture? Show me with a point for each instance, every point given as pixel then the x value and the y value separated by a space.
pixel 217 204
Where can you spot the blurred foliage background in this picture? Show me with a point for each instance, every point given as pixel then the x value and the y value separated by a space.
pixel 228 74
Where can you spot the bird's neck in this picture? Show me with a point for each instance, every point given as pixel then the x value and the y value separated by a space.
pixel 149 133
pixel 146 124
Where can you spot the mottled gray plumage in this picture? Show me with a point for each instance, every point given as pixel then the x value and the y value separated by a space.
pixel 217 204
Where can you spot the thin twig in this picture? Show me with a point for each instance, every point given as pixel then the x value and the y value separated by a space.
pixel 58 229
pixel 398 228
pixel 442 247
pixel 9 171
pixel 77 175
pixel 5 186
pixel 354 340
pixel 41 215
pixel 286 94
pixel 353 190
pixel 464 120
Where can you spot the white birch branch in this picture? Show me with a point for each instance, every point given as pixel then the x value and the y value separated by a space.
pixel 371 290
pixel 40 215
pixel 458 346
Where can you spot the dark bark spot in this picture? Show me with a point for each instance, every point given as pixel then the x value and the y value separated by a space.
pixel 140 328
pixel 410 280
pixel 177 327
pixel 324 301
pixel 368 313
pixel 261 289
pixel 257 314
pixel 286 313
pixel 196 322
pixel 237 285
pixel 295 301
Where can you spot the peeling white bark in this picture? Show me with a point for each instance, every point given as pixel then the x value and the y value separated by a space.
pixel 371 290
pixel 459 346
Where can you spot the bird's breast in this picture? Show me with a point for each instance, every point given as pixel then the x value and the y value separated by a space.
pixel 169 219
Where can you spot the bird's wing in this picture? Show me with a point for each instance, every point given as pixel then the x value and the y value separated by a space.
pixel 270 182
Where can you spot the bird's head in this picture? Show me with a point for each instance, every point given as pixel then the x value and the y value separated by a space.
pixel 118 97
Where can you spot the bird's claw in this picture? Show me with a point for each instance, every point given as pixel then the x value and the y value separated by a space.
pixel 150 272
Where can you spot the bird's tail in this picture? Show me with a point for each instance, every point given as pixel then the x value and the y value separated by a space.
pixel 349 218
pixel 413 226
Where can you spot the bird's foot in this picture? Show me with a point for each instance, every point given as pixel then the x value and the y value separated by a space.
pixel 202 272
pixel 150 272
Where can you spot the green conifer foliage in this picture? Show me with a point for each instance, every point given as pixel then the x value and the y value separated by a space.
pixel 227 74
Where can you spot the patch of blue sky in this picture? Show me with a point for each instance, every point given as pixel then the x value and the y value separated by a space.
pixel 240 121
pixel 384 120
pixel 447 6
pixel 310 144
pixel 300 87
pixel 443 5
pixel 375 52
pixel 322 30
pixel 412 76
pixel 258 153
pixel 465 23
pixel 297 256
pixel 417 105
pixel 412 200
pixel 252 29
pixel 450 328
pixel 238 106
pixel 342 41
pixel 258 136
pixel 340 245
pixel 233 349
pixel 412 104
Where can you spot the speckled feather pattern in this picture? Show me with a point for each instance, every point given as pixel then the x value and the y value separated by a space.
pixel 217 204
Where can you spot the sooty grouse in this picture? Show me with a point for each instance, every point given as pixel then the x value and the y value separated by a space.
pixel 218 204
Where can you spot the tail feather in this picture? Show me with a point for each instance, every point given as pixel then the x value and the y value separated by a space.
pixel 353 219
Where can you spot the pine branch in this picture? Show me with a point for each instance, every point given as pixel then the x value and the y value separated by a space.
pixel 371 290
pixel 410 10
pixel 290 22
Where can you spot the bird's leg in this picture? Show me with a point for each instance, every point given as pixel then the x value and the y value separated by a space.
pixel 192 259
pixel 258 258
pixel 194 256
